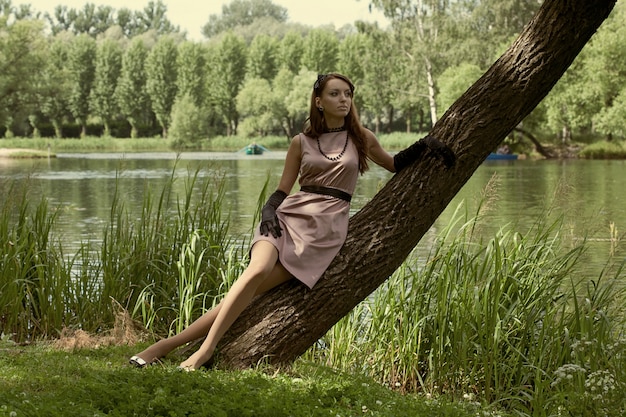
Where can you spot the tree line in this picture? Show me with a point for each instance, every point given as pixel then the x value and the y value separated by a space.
pixel 97 71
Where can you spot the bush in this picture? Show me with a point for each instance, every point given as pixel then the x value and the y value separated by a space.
pixel 604 150
pixel 188 123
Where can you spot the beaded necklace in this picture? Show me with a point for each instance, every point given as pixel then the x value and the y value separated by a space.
pixel 335 129
pixel 334 158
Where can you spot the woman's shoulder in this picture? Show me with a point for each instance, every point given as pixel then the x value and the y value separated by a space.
pixel 369 136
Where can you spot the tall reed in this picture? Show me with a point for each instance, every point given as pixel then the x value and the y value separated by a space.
pixel 495 321
pixel 139 264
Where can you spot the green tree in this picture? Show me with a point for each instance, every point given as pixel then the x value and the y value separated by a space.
pixel 321 47
pixel 93 21
pixel 256 106
pixel 189 124
pixel 375 93
pixel 130 93
pixel 420 31
pixel 292 98
pixel 54 85
pixel 107 72
pixel 454 81
pixel 570 104
pixel 263 57
pixel 242 13
pixel 228 71
pixel 21 61
pixel 606 69
pixel 352 50
pixel 80 62
pixel 191 64
pixel 161 74
pixel 154 17
pixel 291 51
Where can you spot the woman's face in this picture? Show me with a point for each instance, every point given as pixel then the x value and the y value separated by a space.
pixel 336 99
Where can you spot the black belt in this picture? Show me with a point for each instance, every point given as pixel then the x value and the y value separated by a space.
pixel 333 192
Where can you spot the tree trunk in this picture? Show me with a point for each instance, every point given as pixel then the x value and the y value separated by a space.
pixel 432 102
pixel 284 323
pixel 538 147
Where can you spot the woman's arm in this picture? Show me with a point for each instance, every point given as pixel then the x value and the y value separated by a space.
pixel 292 166
pixel 376 153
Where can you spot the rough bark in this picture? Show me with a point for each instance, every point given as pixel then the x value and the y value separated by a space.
pixel 284 323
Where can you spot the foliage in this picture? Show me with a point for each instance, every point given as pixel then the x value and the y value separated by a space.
pixel 191 80
pixel 229 67
pixel 94 21
pixel 22 48
pixel 453 82
pixel 321 47
pixel 255 103
pixel 403 73
pixel 241 13
pixel 130 93
pixel 81 58
pixel 53 95
pixel 604 150
pixel 263 58
pixel 188 123
pixel 161 74
pixel 106 73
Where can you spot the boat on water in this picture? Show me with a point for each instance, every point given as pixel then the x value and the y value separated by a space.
pixel 501 156
pixel 254 149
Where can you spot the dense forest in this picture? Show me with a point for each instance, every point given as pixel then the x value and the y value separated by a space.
pixel 100 71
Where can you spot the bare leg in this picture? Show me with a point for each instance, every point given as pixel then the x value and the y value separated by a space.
pixel 264 272
pixel 201 326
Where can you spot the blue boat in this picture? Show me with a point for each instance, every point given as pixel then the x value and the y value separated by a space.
pixel 501 157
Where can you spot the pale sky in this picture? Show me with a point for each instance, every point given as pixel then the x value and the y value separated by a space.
pixel 191 15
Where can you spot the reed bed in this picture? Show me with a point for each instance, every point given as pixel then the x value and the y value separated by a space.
pixel 507 321
pixel 154 265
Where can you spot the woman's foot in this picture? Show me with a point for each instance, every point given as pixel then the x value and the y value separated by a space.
pixel 194 362
pixel 148 356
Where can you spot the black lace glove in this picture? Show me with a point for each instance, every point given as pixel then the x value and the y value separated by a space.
pixel 269 221
pixel 406 156
pixel 441 150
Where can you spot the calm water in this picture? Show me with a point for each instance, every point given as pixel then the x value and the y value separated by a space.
pixel 589 193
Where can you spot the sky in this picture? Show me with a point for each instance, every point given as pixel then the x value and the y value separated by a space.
pixel 191 15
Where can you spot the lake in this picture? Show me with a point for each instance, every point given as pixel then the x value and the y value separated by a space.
pixel 590 194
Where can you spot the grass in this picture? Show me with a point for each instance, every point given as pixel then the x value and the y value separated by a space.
pixel 45 381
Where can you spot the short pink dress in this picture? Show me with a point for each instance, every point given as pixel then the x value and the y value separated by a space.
pixel 314 226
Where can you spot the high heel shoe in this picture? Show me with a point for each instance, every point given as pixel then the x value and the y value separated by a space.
pixel 137 362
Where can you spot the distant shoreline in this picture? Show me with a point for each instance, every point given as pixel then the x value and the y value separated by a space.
pixel 17 153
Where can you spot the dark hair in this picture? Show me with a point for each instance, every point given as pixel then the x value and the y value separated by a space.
pixel 317 125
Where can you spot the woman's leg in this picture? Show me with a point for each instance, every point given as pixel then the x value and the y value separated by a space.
pixel 201 326
pixel 263 273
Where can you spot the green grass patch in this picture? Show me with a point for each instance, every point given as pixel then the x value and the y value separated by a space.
pixel 604 150
pixel 42 381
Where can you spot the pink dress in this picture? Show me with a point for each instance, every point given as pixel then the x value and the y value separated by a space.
pixel 314 226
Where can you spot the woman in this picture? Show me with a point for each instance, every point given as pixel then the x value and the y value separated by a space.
pixel 300 234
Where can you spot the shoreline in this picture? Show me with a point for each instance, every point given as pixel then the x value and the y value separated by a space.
pixel 18 153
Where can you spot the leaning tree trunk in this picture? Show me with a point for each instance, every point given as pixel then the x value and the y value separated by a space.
pixel 284 323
